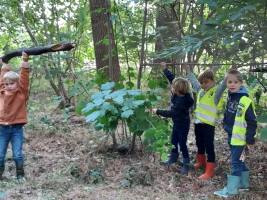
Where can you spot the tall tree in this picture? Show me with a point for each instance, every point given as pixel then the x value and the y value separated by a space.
pixel 99 23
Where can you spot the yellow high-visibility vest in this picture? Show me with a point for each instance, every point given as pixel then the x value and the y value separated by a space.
pixel 206 109
pixel 240 125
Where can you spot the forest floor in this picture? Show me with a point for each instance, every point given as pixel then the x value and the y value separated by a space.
pixel 65 161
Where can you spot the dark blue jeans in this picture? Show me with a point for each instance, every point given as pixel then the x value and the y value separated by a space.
pixel 179 136
pixel 13 133
pixel 238 166
pixel 205 140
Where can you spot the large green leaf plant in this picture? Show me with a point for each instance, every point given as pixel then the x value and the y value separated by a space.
pixel 115 102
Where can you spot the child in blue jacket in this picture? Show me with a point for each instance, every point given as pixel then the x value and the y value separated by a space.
pixel 181 102
pixel 240 124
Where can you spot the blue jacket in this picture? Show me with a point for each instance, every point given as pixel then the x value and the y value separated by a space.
pixel 230 113
pixel 179 106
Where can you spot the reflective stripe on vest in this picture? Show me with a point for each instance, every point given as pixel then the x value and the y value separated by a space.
pixel 237 136
pixel 240 124
pixel 210 108
pixel 206 117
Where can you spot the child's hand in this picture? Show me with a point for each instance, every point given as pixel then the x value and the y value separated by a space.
pixel 25 57
pixel 2 63
pixel 163 65
pixel 251 145
pixel 234 66
pixel 154 111
pixel 186 67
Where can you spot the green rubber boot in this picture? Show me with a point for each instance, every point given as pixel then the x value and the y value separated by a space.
pixel 244 182
pixel 231 188
pixel 2 169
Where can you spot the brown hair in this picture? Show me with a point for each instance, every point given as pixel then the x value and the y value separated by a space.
pixel 206 74
pixel 236 73
pixel 180 84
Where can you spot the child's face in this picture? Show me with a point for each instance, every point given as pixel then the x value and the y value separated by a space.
pixel 206 84
pixel 10 85
pixel 233 83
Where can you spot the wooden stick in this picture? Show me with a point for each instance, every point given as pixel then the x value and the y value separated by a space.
pixel 38 50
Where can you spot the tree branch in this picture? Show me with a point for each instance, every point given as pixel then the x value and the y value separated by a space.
pixel 38 50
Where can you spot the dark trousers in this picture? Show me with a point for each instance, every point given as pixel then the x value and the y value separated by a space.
pixel 238 166
pixel 205 140
pixel 179 136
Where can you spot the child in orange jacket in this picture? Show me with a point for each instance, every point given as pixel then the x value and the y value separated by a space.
pixel 14 94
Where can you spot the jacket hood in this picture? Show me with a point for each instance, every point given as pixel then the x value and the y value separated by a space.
pixel 242 91
pixel 189 102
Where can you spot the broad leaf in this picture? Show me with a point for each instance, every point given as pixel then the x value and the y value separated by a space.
pixel 127 114
pixel 143 125
pixel 89 107
pixel 164 156
pixel 152 98
pixel 149 134
pixel 93 116
pixel 237 15
pixel 263 134
pixel 134 92
pixel 138 103
pixel 152 84
pixel 108 85
pixel 262 119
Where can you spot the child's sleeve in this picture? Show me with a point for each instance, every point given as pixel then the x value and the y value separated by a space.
pixel 24 81
pixel 178 107
pixel 219 92
pixel 194 82
pixel 251 125
pixel 169 75
pixel 5 69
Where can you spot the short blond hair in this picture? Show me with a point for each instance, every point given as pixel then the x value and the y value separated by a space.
pixel 236 73
pixel 180 84
pixel 206 74
pixel 11 76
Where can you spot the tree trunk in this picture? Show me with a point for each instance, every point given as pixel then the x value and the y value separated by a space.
pixel 100 32
pixel 163 18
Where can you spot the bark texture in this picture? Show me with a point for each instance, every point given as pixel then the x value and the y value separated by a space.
pixel 100 31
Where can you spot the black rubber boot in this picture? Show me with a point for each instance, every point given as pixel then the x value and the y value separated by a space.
pixel 185 168
pixel 173 159
pixel 2 169
pixel 20 173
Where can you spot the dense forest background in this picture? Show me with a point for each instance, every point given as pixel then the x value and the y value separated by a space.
pixel 91 133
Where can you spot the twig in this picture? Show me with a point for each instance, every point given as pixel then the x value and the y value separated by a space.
pixel 222 164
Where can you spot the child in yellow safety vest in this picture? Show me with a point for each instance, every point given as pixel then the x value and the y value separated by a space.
pixel 209 105
pixel 239 122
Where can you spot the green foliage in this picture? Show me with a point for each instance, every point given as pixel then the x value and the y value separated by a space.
pixel 108 106
pixel 263 134
pixel 262 119
pixel 157 137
